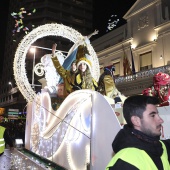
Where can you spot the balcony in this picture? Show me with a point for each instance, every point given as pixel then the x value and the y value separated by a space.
pixel 135 84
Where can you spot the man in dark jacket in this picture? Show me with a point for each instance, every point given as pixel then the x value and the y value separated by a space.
pixel 138 146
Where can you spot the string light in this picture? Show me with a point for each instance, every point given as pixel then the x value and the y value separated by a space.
pixel 55 139
pixel 46 140
pixel 40 32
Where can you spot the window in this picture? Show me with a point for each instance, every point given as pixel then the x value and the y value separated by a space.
pixel 117 68
pixel 146 61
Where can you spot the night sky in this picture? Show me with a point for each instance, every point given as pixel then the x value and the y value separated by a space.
pixel 3 23
pixel 103 10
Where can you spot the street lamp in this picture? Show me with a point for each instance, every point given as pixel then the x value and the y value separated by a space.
pixel 10 83
pixel 33 50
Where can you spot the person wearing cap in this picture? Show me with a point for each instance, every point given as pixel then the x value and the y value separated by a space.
pixel 67 75
pixel 84 79
pixel 106 85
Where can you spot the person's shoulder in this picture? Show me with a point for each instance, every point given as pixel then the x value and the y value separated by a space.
pixel 121 164
pixel 68 71
pixel 77 74
pixel 167 144
pixel 2 127
pixel 94 79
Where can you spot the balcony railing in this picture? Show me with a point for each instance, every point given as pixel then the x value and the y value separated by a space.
pixel 135 84
pixel 142 74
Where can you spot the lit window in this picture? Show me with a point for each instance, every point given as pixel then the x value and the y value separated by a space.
pixel 146 61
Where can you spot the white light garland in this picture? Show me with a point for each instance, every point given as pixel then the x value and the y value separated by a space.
pixel 49 140
pixel 40 32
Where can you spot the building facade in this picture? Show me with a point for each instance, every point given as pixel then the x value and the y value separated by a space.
pixel 144 39
pixel 73 13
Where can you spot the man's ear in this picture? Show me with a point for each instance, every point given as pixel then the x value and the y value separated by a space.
pixel 135 121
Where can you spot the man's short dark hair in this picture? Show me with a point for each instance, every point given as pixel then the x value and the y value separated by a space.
pixel 136 105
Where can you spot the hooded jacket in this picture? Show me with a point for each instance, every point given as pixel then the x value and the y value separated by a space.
pixel 131 138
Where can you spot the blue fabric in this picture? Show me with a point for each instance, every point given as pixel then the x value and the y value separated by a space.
pixel 68 61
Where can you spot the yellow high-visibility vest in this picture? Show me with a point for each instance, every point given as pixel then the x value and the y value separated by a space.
pixel 139 158
pixel 2 141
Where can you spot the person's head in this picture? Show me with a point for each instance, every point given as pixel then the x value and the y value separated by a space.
pixel 84 63
pixel 109 70
pixel 82 67
pixel 73 66
pixel 140 112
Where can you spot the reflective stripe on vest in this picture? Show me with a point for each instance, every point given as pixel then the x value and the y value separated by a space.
pixel 139 158
pixel 2 142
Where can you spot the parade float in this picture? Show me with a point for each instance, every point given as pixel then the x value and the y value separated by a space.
pixel 77 135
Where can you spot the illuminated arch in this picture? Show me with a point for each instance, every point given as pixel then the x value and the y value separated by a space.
pixel 40 32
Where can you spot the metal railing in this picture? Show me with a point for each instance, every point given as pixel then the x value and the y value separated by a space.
pixel 142 74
